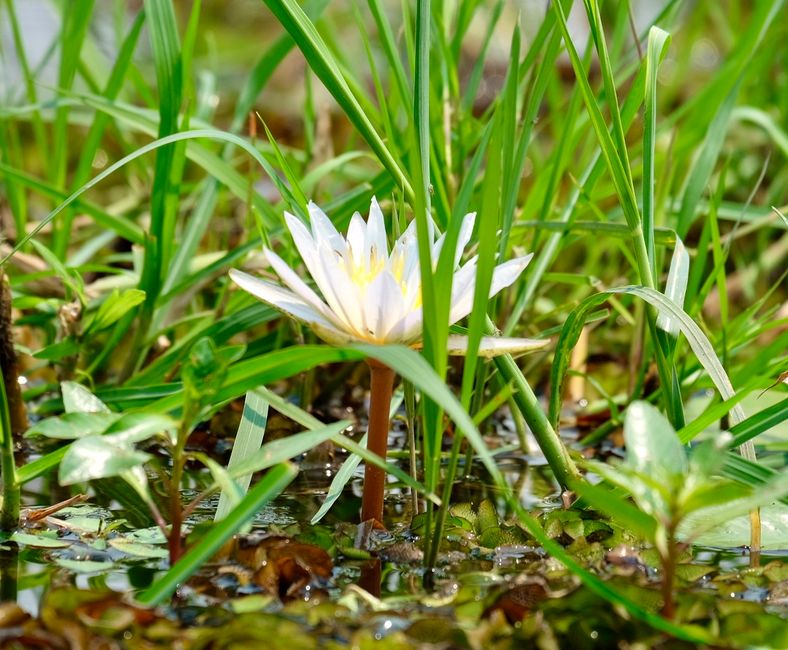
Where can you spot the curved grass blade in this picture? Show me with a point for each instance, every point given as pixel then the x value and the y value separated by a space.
pixel 322 61
pixel 697 340
pixel 248 440
pixel 211 134
pixel 658 41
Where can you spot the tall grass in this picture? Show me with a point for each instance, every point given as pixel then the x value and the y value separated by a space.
pixel 129 177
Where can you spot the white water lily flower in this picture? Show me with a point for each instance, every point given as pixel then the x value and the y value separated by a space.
pixel 369 294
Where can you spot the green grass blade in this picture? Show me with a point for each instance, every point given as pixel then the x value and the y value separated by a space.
pixel 658 41
pixel 760 422
pixel 323 63
pixel 248 440
pixel 704 166
pixel 165 44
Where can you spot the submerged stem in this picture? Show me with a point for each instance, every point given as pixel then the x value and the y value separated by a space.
pixel 381 389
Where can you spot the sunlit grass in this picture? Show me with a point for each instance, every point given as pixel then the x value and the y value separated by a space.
pixel 636 157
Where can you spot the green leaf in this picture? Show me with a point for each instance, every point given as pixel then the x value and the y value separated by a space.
pixel 338 483
pixel 57 351
pixel 292 17
pixel 614 506
pixel 283 449
pixel 736 532
pixel 709 517
pixel 658 41
pixel 652 444
pixel 115 307
pixel 131 547
pixel 39 541
pixel 73 425
pixel 760 422
pixel 697 340
pixel 84 566
pixel 413 367
pixel 97 457
pixel 78 399
pixel 136 427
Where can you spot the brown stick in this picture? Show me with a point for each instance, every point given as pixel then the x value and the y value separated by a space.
pixel 381 388
pixel 8 362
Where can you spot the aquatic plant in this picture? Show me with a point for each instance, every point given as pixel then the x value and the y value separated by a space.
pixel 680 495
pixel 373 295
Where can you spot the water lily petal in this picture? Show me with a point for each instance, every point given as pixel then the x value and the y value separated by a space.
pixel 493 346
pixel 503 276
pixel 412 326
pixel 462 288
pixel 463 237
pixel 304 243
pixel 376 233
pixel 340 292
pixel 299 287
pixel 282 299
pixel 310 254
pixel 384 308
pixel 356 236
pixel 466 230
pixel 324 231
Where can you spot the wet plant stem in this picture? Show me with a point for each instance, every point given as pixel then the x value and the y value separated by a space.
pixel 550 443
pixel 669 574
pixel 176 510
pixel 381 389
pixel 9 512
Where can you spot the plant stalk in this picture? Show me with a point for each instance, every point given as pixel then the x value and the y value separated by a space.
pixel 669 576
pixel 9 511
pixel 381 389
pixel 174 543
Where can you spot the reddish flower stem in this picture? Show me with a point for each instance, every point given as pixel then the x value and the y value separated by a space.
pixel 381 388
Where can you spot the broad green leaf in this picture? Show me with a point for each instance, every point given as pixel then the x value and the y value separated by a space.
pixel 39 541
pixel 736 532
pixel 715 514
pixel 78 399
pixel 97 457
pixel 652 444
pixel 84 566
pixel 73 425
pixel 136 427
pixel 57 351
pixel 138 549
